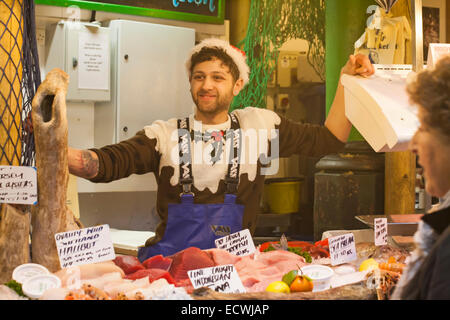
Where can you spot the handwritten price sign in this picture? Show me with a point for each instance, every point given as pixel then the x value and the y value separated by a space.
pixel 380 230
pixel 342 249
pixel 18 185
pixel 84 246
pixel 239 243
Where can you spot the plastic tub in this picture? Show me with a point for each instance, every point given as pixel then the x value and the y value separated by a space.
pixel 320 275
pixel 282 195
pixel 36 286
pixel 28 270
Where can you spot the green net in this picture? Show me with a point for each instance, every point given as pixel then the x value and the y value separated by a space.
pixel 272 23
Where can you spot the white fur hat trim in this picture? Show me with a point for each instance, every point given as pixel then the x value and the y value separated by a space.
pixel 237 55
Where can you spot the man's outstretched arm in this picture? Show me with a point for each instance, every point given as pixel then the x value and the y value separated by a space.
pixel 336 121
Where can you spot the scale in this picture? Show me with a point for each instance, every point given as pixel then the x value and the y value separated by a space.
pixel 398 225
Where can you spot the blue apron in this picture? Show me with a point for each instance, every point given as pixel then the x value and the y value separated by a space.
pixel 198 225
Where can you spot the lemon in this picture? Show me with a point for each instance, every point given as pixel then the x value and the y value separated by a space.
pixel 289 277
pixel 368 264
pixel 278 286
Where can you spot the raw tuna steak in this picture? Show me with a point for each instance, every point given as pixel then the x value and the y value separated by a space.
pixel 158 262
pixel 128 264
pixel 189 259
pixel 152 274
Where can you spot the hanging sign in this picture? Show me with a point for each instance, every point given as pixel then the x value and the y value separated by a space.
pixel 207 11
pixel 18 185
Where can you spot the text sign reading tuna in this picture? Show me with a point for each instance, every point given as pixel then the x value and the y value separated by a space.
pixel 342 249
pixel 89 245
pixel 18 185
pixel 380 230
pixel 220 278
pixel 239 243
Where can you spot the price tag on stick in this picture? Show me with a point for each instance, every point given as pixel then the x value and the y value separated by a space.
pixel 239 243
pixel 342 249
pixel 380 229
pixel 220 278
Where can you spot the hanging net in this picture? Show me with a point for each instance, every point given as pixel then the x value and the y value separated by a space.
pixel 19 79
pixel 272 23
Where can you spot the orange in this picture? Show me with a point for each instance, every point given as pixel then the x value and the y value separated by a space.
pixel 301 284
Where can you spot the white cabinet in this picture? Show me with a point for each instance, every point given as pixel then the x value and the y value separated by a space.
pixel 82 51
pixel 148 82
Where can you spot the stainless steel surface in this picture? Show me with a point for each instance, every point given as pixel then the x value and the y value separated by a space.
pixel 417 35
pixel 394 228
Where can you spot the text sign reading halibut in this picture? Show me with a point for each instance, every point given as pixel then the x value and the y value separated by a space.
pixel 239 243
pixel 342 249
pixel 18 185
pixel 220 278
pixel 83 246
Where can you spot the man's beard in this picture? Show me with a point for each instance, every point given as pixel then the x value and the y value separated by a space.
pixel 221 104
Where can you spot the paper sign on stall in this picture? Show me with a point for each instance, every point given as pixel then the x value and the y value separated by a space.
pixel 84 246
pixel 239 243
pixel 18 185
pixel 342 249
pixel 93 61
pixel 380 231
pixel 220 278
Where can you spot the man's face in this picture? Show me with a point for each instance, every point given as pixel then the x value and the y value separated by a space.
pixel 213 87
pixel 434 158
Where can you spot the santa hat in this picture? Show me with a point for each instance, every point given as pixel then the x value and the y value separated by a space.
pixel 237 55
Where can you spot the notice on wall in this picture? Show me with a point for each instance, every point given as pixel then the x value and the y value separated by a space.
pixel 93 60
pixel 18 185
pixel 380 231
pixel 239 243
pixel 220 278
pixel 342 249
pixel 84 246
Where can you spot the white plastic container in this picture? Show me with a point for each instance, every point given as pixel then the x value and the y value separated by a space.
pixel 27 271
pixel 36 286
pixel 320 275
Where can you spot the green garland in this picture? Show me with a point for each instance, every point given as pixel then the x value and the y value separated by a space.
pixel 272 23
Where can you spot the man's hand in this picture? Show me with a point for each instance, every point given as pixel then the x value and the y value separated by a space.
pixel 336 121
pixel 358 65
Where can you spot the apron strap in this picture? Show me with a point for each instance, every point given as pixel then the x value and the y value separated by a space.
pixel 234 162
pixel 184 147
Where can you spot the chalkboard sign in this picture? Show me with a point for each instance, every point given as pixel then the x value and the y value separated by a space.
pixel 206 11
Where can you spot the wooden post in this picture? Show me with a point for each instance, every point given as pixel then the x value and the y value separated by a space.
pixel 10 82
pixel 239 12
pixel 400 177
pixel 400 167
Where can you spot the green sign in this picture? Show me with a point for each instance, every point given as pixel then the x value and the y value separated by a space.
pixel 205 11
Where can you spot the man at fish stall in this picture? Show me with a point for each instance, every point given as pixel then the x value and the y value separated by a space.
pixel 210 167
